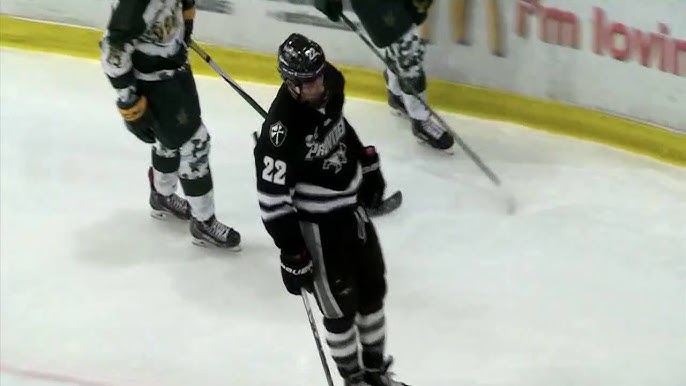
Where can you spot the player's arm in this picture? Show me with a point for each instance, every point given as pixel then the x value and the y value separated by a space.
pixel 334 83
pixel 125 26
pixel 188 18
pixel 276 172
pixel 275 175
pixel 116 48
pixel 373 186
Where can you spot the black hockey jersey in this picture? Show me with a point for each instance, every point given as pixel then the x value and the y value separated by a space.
pixel 307 163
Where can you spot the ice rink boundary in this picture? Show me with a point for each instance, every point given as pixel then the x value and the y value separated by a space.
pixel 638 137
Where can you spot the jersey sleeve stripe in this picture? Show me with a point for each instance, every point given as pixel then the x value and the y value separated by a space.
pixel 272 214
pixel 274 199
pixel 325 206
pixel 305 189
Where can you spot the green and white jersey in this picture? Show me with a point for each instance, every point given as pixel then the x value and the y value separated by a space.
pixel 144 40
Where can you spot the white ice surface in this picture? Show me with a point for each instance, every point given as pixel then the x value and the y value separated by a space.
pixel 585 285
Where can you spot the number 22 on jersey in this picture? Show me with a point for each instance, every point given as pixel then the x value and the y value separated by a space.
pixel 274 170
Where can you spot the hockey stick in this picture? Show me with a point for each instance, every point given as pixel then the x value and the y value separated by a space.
pixel 207 58
pixel 315 333
pixel 474 157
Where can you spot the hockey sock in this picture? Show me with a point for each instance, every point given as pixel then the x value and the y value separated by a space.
pixel 202 207
pixel 341 338
pixel 195 174
pixel 164 171
pixel 372 329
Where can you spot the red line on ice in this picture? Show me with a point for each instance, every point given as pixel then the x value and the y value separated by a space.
pixel 47 376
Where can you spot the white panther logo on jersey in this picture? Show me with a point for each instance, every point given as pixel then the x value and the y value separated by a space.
pixel 337 159
pixel 318 149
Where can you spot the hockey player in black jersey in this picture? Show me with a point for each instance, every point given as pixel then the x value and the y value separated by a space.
pixel 392 25
pixel 314 178
pixel 144 56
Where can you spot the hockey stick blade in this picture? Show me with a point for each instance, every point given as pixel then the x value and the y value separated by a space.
pixel 388 205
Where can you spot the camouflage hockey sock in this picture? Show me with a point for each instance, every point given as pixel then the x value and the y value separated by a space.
pixel 195 174
pixel 164 172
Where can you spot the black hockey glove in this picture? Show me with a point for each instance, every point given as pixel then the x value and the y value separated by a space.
pixel 373 184
pixel 331 8
pixel 296 271
pixel 418 9
pixel 138 118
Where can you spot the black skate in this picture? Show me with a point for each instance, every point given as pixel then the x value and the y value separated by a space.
pixel 356 379
pixel 432 134
pixel 213 232
pixel 382 377
pixel 165 206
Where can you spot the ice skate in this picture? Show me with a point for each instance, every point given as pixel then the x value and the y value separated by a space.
pixel 164 207
pixel 432 134
pixel 356 379
pixel 382 377
pixel 214 233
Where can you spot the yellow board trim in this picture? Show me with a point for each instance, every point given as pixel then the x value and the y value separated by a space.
pixel 637 137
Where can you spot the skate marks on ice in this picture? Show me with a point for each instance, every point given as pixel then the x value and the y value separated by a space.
pixel 503 196
pixel 540 298
pixel 21 376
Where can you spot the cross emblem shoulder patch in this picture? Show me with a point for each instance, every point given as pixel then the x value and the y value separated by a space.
pixel 277 134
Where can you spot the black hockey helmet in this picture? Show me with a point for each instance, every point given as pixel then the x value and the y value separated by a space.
pixel 300 60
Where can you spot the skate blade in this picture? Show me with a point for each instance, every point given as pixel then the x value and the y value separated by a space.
pixel 160 214
pixel 448 151
pixel 208 244
pixel 165 216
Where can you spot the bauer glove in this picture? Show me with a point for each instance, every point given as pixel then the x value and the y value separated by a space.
pixel 296 271
pixel 138 118
pixel 331 8
pixel 373 184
